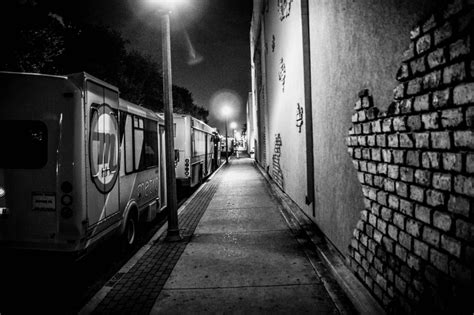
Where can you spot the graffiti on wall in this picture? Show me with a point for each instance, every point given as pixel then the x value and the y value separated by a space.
pixel 284 8
pixel 277 174
pixel 282 74
pixel 299 117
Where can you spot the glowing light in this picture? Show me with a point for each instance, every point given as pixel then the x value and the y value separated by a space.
pixel 225 99
pixel 233 125
pixel 2 192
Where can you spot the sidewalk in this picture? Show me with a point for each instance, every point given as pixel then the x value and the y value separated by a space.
pixel 238 255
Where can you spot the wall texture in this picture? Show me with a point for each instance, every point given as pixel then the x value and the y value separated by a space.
pixel 354 45
pixel 414 243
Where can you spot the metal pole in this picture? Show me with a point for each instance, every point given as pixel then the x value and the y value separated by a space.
pixel 226 143
pixel 173 226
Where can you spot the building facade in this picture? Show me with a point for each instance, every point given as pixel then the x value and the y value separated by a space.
pixel 374 182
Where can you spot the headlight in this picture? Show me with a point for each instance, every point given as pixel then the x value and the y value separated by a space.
pixel 2 192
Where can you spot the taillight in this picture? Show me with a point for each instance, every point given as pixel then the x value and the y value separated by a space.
pixel 186 167
pixel 66 200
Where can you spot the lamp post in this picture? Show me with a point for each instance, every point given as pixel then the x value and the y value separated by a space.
pixel 173 224
pixel 226 112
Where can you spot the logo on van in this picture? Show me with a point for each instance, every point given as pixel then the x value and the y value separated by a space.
pixel 104 147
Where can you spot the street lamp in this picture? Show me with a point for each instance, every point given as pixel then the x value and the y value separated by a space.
pixel 165 7
pixel 226 113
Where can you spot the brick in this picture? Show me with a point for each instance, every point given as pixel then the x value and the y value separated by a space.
pixel 366 154
pixel 421 103
pixel 421 249
pixel 430 120
pixel 401 252
pixel 406 106
pixel 387 125
pixel 417 66
pixel 382 169
pixel 393 232
pixel 358 104
pixel 413 88
pixel 442 181
pixel 405 240
pixel 430 160
pixel 436 58
pixel 398 156
pixel 463 94
pixel 362 140
pixel 440 140
pixel 372 167
pixel 441 98
pixel 372 220
pixel 376 154
pixel 406 174
pixel 454 73
pixel 381 140
pixel 443 33
pixel 432 80
pixel 413 227
pixel 402 189
pixel 376 126
pixel 459 205
pixel 423 44
pixel 405 140
pixel 439 260
pixel 389 185
pixel 378 236
pixel 413 158
pixel 399 220
pixel 399 92
pixel 417 193
pixel 452 118
pixel 366 128
pixel 470 115
pixel 422 140
pixel 423 213
pixel 382 226
pixel 442 221
pixel 465 230
pixel 378 181
pixel 429 24
pixel 413 262
pixel 451 245
pixel 470 163
pixel 387 155
pixel 361 115
pixel 423 177
pixel 367 101
pixel 415 32
pixel 435 198
pixel 386 214
pixel 464 139
pixel 459 48
pixel 382 197
pixel 393 140
pixel 414 122
pixel 431 236
pixel 464 185
pixel 393 171
pixel 393 202
pixel 403 72
pixel 399 123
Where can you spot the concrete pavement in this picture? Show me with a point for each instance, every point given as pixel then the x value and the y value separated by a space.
pixel 239 255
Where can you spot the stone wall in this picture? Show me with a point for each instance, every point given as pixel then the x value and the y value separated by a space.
pixel 413 246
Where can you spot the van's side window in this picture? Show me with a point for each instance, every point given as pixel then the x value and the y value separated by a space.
pixel 141 143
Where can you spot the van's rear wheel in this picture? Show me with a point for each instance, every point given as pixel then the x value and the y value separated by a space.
pixel 130 234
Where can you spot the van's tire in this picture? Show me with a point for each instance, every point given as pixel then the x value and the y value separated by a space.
pixel 129 237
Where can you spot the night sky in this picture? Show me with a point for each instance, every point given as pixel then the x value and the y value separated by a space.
pixel 216 30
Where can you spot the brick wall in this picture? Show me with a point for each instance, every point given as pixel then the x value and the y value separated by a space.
pixel 413 246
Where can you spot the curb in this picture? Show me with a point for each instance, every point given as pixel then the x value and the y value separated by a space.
pixel 360 298
pixel 92 304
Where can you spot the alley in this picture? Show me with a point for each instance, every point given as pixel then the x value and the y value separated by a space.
pixel 241 257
